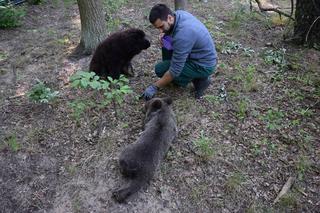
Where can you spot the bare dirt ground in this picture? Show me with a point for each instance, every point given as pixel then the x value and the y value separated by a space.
pixel 233 153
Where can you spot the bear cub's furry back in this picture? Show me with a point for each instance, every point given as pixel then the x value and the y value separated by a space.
pixel 113 55
pixel 140 160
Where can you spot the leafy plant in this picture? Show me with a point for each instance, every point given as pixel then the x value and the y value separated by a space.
pixel 203 146
pixel 231 47
pixel 3 56
pixel 248 51
pixel 78 108
pixel 114 90
pixel 273 118
pixel 276 57
pixel 41 93
pixel 10 16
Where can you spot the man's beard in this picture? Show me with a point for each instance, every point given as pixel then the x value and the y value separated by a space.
pixel 169 31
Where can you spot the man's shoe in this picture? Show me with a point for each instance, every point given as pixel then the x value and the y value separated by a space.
pixel 200 86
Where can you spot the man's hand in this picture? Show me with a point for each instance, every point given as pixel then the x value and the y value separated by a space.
pixel 160 38
pixel 149 92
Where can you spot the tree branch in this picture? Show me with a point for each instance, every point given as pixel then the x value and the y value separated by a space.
pixel 274 9
pixel 311 27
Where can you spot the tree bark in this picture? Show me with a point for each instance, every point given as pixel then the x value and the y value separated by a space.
pixel 179 4
pixel 307 26
pixel 93 26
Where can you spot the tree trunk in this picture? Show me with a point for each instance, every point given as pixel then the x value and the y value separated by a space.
pixel 307 26
pixel 179 4
pixel 93 26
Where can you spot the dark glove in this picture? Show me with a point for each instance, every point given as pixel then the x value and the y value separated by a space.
pixel 149 92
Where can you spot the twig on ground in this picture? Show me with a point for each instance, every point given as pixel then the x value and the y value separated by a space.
pixel 302 192
pixel 284 189
pixel 16 96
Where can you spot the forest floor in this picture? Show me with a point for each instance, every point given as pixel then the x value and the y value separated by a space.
pixel 257 127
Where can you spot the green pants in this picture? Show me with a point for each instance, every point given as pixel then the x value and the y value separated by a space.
pixel 189 72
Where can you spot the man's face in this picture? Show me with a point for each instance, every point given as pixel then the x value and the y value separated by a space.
pixel 164 26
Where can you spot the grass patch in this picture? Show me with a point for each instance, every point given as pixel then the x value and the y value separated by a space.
pixel 11 142
pixel 273 118
pixel 198 193
pixel 302 165
pixel 213 99
pixel 203 147
pixel 238 16
pixel 112 7
pixel 234 181
pixel 242 109
pixel 247 75
pixel 288 202
pixel 263 146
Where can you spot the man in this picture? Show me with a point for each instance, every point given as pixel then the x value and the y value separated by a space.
pixel 188 51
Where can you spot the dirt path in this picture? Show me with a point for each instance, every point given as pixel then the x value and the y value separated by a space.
pixel 233 154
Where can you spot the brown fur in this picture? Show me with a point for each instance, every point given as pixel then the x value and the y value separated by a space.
pixel 113 56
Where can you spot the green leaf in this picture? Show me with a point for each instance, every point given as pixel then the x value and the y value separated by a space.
pixel 75 83
pixel 95 85
pixel 84 83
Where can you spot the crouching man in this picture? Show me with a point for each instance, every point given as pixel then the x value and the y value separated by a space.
pixel 188 51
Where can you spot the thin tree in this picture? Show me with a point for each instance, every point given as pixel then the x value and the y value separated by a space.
pixel 180 4
pixel 93 26
pixel 307 25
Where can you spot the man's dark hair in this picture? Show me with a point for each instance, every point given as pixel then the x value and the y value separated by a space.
pixel 159 11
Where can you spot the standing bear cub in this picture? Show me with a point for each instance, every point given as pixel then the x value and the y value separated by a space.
pixel 113 56
pixel 139 161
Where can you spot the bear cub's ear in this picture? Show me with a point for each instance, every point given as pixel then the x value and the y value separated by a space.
pixel 167 100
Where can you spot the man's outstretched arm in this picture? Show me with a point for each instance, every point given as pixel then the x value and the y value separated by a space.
pixel 151 90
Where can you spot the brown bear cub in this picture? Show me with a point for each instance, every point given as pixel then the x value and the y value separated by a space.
pixel 139 161
pixel 113 56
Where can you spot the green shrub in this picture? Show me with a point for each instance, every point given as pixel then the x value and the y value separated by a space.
pixel 41 93
pixel 114 90
pixel 10 16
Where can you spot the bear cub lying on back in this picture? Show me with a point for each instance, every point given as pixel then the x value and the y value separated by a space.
pixel 113 56
pixel 139 161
